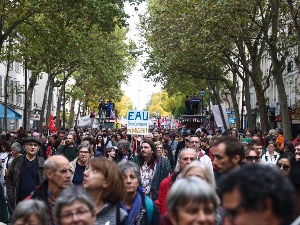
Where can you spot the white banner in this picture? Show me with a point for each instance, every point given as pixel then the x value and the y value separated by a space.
pixel 138 122
pixel 217 115
pixel 86 121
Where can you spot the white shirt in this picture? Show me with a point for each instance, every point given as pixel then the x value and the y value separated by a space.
pixel 207 161
pixel 268 159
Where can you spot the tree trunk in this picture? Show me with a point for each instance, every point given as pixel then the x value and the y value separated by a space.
pixel 72 113
pixel 278 68
pixel 59 104
pixel 44 102
pixel 248 105
pixel 78 112
pixel 32 82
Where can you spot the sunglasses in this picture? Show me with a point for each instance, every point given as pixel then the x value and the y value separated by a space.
pixel 252 158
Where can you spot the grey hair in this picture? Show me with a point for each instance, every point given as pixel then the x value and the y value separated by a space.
pixel 50 165
pixel 180 154
pixel 204 168
pixel 69 196
pixel 126 166
pixel 150 135
pixel 198 191
pixel 84 145
pixel 123 143
pixel 29 207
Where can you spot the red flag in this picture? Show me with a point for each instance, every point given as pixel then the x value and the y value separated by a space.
pixel 158 122
pixel 52 126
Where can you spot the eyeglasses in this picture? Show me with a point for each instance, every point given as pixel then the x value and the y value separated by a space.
pixel 252 158
pixel 79 213
pixel 283 166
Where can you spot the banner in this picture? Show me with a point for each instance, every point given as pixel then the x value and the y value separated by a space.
pixel 138 122
pixel 86 121
pixel 217 115
pixel 52 126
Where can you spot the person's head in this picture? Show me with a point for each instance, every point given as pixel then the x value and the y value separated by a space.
pixel 252 196
pixel 297 151
pixel 195 142
pixel 104 176
pixel 248 133
pixel 205 142
pixel 192 200
pixel 155 136
pixel 199 169
pixel 61 135
pixel 57 171
pixel 159 147
pixel 32 145
pixel 123 146
pixel 251 155
pixel 69 140
pixel 234 133
pixel 228 152
pixel 29 212
pixel 284 162
pixel 16 149
pixel 148 136
pixel 118 136
pixel 279 132
pixel 271 146
pixel 256 137
pixel 148 150
pixel 84 152
pixel 256 145
pixel 5 146
pixel 185 157
pixel 74 206
pixel 131 176
pixel 110 152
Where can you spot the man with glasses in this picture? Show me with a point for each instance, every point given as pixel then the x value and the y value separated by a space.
pixel 201 156
pixel 186 156
pixel 25 173
pixel 252 196
pixel 79 164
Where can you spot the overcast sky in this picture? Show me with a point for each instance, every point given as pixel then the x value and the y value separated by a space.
pixel 137 89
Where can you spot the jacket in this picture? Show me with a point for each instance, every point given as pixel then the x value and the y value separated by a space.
pixel 13 177
pixel 164 188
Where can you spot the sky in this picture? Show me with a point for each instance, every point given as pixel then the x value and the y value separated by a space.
pixel 138 89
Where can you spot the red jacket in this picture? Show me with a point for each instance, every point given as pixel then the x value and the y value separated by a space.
pixel 163 190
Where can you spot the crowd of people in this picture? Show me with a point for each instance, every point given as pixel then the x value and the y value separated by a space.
pixel 178 176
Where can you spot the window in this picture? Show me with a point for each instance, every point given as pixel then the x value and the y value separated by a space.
pixel 17 67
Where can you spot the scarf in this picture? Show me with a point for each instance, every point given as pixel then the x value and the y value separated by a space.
pixel 134 212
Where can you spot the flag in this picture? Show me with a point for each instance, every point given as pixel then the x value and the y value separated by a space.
pixel 52 126
pixel 158 122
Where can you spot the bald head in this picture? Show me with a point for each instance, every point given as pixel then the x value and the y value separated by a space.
pixel 52 162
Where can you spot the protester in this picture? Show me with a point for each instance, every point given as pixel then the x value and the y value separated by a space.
pixel 58 178
pixel 30 212
pixel 284 162
pixel 186 156
pixel 153 168
pixel 103 181
pixel 271 156
pixel 141 209
pixel 196 204
pixel 124 152
pixel 79 164
pixel 251 155
pixel 25 172
pixel 69 149
pixel 74 206
pixel 257 194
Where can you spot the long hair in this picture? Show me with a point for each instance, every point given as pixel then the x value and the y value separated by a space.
pixel 151 163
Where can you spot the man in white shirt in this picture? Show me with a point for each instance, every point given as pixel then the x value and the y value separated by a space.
pixel 271 156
